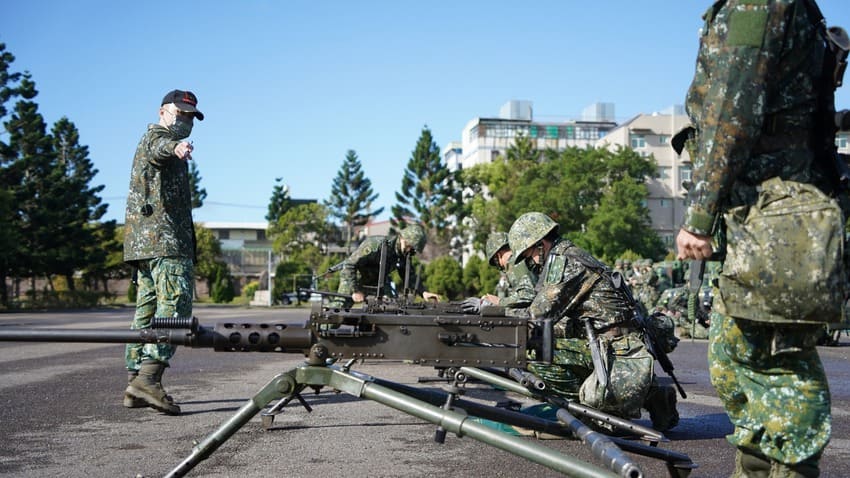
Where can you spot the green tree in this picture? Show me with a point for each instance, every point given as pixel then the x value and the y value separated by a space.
pixel 289 276
pixel 31 161
pixel 427 195
pixel 198 193
pixel 301 234
pixel 444 276
pixel 622 223
pixel 209 257
pixel 222 287
pixel 279 203
pixel 479 277
pixel 77 205
pixel 109 239
pixel 352 197
pixel 9 179
pixel 568 185
pixel 494 187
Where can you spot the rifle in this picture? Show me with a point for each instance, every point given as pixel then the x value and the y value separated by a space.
pixel 425 336
pixel 649 338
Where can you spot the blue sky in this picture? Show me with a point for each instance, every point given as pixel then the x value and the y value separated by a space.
pixel 288 87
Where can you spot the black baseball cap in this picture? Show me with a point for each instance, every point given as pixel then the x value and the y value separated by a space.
pixel 185 101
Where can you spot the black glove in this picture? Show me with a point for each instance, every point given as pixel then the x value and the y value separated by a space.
pixel 471 305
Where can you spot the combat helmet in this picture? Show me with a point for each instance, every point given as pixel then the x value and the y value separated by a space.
pixel 414 235
pixel 495 242
pixel 528 230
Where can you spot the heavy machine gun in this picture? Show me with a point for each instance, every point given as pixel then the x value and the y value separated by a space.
pixel 487 346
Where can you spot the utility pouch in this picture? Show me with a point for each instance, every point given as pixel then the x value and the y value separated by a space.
pixel 784 257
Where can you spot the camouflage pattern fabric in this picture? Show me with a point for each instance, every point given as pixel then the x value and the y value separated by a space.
pixel 752 102
pixel 165 289
pixel 521 283
pixel 630 367
pixel 158 220
pixel 360 271
pixel 773 386
pixel 502 287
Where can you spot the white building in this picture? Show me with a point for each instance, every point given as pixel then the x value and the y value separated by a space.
pixel 650 135
pixel 484 139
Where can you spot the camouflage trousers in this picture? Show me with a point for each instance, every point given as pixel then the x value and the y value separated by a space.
pixel 773 387
pixel 165 289
pixel 630 374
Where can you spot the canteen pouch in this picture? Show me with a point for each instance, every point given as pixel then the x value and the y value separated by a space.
pixel 784 260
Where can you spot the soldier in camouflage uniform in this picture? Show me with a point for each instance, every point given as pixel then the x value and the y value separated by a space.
pixel 359 272
pixel 582 295
pixel 159 242
pixel 752 103
pixel 520 280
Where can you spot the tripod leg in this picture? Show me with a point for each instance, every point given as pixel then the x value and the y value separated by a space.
pixel 279 386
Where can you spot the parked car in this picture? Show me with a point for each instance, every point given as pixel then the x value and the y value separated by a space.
pixel 288 298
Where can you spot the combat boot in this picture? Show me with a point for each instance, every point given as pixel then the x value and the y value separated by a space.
pixel 129 400
pixel 749 465
pixel 661 404
pixel 801 470
pixel 147 386
pixel 133 402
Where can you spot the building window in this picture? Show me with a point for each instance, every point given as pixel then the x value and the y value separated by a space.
pixel 841 141
pixel 664 173
pixel 552 132
pixel 473 133
pixel 668 239
pixel 223 234
pixel 663 139
pixel 261 235
pixel 685 174
pixel 638 141
pixel 532 131
pixel 665 203
pixel 570 132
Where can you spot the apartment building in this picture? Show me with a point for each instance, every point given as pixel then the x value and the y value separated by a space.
pixel 649 135
pixel 484 139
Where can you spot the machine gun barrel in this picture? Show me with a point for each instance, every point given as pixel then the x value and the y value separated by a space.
pixel 224 337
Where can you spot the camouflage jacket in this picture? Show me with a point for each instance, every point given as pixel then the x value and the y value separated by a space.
pixel 360 270
pixel 521 283
pixel 567 271
pixel 158 221
pixel 751 101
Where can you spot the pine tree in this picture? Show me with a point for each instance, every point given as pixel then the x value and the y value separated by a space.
pixel 9 179
pixel 428 195
pixel 279 202
pixel 198 193
pixel 31 159
pixel 78 206
pixel 352 197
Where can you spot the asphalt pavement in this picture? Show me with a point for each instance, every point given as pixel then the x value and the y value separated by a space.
pixel 61 414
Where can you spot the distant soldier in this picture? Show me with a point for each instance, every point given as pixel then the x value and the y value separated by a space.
pixel 360 272
pixel 664 282
pixel 600 357
pixel 618 267
pixel 520 281
pixel 643 284
pixel 628 271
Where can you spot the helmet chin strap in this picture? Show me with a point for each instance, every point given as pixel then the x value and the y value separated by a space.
pixel 540 253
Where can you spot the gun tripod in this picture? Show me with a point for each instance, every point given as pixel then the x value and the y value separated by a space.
pixel 441 409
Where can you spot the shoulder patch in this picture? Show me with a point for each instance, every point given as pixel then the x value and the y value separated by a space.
pixel 746 27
